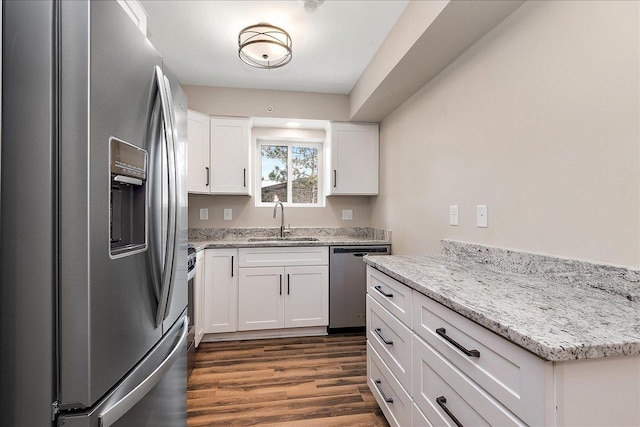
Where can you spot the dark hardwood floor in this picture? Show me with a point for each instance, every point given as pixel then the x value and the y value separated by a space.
pixel 309 381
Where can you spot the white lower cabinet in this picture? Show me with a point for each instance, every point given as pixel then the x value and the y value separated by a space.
pixel 260 301
pixel 420 420
pixel 440 391
pixel 198 298
pixel 511 375
pixel 393 399
pixel 392 341
pixel 306 302
pixel 460 373
pixel 430 372
pixel 273 294
pixel 221 290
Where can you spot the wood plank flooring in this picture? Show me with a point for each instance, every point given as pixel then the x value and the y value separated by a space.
pixel 309 381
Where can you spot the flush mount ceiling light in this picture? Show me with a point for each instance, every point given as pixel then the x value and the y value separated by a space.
pixel 264 46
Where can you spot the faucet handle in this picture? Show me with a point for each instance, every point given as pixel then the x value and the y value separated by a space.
pixel 287 229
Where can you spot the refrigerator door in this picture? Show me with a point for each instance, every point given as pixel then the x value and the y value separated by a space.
pixel 177 297
pixel 141 398
pixel 110 84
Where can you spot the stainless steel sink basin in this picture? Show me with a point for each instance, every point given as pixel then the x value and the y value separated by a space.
pixel 283 239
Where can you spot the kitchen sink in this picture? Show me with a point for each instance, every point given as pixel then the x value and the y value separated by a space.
pixel 283 239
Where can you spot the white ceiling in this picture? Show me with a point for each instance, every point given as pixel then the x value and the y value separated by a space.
pixel 331 47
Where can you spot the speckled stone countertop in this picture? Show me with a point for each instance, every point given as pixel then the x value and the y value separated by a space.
pixel 556 308
pixel 203 238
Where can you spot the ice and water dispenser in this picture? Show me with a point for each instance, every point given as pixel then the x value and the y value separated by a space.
pixel 128 198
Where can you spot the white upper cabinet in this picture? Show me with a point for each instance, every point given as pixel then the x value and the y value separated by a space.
pixel 353 159
pixel 219 155
pixel 198 179
pixel 230 156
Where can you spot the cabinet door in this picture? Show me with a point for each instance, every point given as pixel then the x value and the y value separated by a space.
pixel 198 297
pixel 306 296
pixel 230 172
pixel 354 159
pixel 198 148
pixel 221 290
pixel 260 301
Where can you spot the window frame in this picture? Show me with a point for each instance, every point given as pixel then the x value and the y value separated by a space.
pixel 289 142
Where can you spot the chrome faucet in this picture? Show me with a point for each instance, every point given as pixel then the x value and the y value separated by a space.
pixel 283 230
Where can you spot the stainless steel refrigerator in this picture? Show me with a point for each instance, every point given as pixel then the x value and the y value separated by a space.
pixel 93 233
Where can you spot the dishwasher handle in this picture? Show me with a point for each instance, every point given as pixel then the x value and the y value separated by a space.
pixel 361 251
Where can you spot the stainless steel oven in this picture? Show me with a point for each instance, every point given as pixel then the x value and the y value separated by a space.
pixel 191 334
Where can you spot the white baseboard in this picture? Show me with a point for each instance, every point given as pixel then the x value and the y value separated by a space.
pixel 265 334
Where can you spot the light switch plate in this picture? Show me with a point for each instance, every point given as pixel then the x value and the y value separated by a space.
pixel 347 214
pixel 482 214
pixel 228 214
pixel 204 214
pixel 453 215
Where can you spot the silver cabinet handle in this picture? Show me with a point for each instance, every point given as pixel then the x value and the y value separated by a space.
pixel 384 396
pixel 231 265
pixel 244 177
pixel 281 284
pixel 335 178
pixel 441 401
pixel 379 289
pixel 207 168
pixel 288 285
pixel 379 332
pixel 122 406
pixel 443 333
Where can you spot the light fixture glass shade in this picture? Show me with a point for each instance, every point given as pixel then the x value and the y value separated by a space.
pixel 264 46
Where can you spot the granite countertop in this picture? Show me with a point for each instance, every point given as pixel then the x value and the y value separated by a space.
pixel 240 237
pixel 567 317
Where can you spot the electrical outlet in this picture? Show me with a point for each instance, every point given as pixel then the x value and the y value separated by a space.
pixel 453 215
pixel 482 216
pixel 204 214
pixel 347 214
pixel 228 214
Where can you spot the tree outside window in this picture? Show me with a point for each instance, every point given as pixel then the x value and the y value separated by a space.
pixel 290 173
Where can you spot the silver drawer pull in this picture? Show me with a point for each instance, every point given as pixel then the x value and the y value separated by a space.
pixel 379 332
pixel 442 402
pixel 384 396
pixel 379 289
pixel 443 333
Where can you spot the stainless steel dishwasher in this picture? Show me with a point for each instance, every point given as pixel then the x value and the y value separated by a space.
pixel 348 284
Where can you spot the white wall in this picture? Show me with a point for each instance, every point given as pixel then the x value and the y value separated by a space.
pixel 223 101
pixel 540 121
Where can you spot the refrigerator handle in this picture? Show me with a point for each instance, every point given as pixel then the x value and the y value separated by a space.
pixel 170 252
pixel 174 189
pixel 122 406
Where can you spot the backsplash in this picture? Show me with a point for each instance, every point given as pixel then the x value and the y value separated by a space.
pixel 618 280
pixel 240 233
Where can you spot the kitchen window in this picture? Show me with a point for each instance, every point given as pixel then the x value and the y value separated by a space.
pixel 289 172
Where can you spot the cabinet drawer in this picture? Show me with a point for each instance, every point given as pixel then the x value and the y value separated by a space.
pixel 391 294
pixel 283 256
pixel 396 351
pixel 509 373
pixel 392 398
pixel 438 385
pixel 420 419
